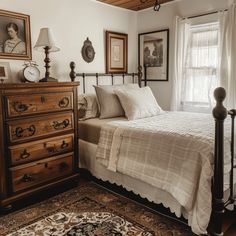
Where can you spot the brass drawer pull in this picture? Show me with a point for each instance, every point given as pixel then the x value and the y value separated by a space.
pixel 43 99
pixel 64 144
pixel 19 131
pixel 24 154
pixel 64 102
pixel 27 178
pixel 54 149
pixel 63 166
pixel 20 107
pixel 51 150
pixel 61 125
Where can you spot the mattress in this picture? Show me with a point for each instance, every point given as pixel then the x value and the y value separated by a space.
pixel 89 130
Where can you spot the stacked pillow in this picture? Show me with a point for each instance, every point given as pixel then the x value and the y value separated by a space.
pixel 138 103
pixel 119 100
pixel 108 102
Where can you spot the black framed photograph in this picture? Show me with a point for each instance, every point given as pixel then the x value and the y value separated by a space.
pixel 154 55
pixel 116 52
pixel 15 40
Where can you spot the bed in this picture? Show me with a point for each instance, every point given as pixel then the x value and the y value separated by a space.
pixel 186 189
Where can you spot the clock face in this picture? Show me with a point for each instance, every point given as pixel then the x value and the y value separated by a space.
pixel 31 73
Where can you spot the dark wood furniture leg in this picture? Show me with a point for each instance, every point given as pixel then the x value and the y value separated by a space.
pixel 7 208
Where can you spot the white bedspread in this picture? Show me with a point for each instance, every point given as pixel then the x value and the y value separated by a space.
pixel 172 151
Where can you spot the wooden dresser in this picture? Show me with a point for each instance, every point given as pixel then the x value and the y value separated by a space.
pixel 38 145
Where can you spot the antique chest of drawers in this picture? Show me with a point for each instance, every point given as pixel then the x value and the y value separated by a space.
pixel 38 145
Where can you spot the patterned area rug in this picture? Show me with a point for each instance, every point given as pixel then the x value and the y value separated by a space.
pixel 89 210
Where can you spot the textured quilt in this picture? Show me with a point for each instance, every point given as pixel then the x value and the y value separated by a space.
pixel 172 151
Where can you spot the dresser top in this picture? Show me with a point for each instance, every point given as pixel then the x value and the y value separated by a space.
pixel 38 85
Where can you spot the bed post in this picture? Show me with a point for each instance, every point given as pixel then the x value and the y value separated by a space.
pixel 140 75
pixel 72 72
pixel 219 113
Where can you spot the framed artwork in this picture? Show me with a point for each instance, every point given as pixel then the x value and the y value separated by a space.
pixel 15 41
pixel 5 71
pixel 154 55
pixel 116 52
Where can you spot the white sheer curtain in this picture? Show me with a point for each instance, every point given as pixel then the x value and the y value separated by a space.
pixel 196 66
pixel 228 55
pixel 181 39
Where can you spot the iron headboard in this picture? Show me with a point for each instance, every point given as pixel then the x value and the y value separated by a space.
pixel 73 75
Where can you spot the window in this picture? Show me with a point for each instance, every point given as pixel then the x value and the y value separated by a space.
pixel 201 67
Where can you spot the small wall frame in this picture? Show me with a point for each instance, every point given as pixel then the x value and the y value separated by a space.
pixel 116 52
pixel 5 72
pixel 15 40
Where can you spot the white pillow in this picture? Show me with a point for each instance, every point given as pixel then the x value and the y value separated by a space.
pixel 138 103
pixel 109 104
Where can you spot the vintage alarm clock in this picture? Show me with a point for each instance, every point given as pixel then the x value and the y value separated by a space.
pixel 30 73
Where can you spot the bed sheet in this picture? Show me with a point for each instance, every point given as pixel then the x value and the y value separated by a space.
pixel 89 130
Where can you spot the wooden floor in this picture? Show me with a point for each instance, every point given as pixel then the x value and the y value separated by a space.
pixel 229 226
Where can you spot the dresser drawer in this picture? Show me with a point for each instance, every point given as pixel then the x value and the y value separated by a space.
pixel 29 175
pixel 27 152
pixel 19 105
pixel 27 129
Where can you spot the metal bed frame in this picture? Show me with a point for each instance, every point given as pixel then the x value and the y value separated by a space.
pixel 219 113
pixel 73 75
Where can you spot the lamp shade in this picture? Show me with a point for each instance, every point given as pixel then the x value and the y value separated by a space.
pixel 46 39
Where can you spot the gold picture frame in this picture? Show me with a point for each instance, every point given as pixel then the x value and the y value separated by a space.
pixel 15 40
pixel 116 52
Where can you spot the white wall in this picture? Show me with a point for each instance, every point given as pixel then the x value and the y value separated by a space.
pixel 148 20
pixel 72 21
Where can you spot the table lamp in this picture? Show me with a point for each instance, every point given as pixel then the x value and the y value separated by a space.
pixel 46 43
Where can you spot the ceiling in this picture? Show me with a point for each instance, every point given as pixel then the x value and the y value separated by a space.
pixel 134 5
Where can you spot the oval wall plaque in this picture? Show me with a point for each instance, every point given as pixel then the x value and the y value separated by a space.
pixel 87 51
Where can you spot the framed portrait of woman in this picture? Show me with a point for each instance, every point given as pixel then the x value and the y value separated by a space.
pixel 15 40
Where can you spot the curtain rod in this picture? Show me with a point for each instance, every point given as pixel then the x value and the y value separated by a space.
pixel 204 14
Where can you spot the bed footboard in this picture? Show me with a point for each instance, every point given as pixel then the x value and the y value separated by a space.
pixel 218 206
pixel 231 200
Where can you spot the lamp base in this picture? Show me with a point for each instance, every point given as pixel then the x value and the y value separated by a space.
pixel 48 79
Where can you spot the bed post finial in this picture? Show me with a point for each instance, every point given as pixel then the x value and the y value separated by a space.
pixel 219 113
pixel 140 75
pixel 72 72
